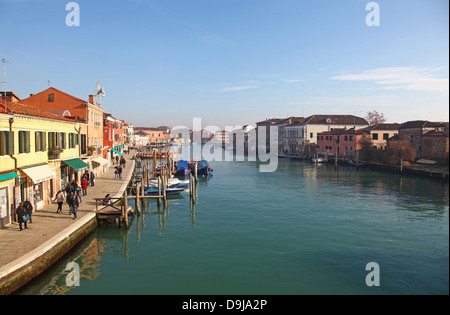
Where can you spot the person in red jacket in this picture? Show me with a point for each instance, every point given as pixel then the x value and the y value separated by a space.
pixel 84 184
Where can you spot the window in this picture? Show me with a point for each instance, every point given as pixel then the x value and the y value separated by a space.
pixel 385 136
pixel 62 140
pixel 40 143
pixel 72 137
pixel 346 139
pixel 52 139
pixel 6 143
pixel 51 97
pixel 375 136
pixel 24 141
pixel 83 144
pixel 351 138
pixel 311 135
pixel 411 137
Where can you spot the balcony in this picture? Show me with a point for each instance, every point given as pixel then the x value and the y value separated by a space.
pixel 54 153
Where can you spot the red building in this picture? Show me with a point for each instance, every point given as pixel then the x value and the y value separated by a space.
pixel 340 142
pixel 108 135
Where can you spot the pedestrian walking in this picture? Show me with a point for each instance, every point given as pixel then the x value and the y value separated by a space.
pixel 59 200
pixel 116 172
pixel 84 185
pixel 69 189
pixel 74 204
pixel 78 194
pixel 92 179
pixel 117 159
pixel 119 170
pixel 22 216
pixel 29 208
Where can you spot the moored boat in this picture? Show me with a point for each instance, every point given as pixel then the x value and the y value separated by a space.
pixel 183 168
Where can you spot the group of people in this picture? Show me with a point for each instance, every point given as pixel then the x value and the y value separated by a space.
pixel 72 197
pixel 71 194
pixel 118 169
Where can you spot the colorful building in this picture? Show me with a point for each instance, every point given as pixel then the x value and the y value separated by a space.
pixel 39 154
pixel 341 142
pixel 86 112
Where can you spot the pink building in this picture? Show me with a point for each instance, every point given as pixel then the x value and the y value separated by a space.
pixel 340 142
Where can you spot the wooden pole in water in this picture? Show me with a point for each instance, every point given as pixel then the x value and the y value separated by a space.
pixel 154 163
pixel 125 205
pixel 137 202
pixel 164 185
pixel 148 175
pixel 159 190
pixel 195 171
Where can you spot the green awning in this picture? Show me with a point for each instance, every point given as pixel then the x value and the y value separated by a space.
pixel 114 150
pixel 76 164
pixel 8 176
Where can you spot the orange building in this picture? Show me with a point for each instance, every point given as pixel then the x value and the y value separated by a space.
pixel 89 114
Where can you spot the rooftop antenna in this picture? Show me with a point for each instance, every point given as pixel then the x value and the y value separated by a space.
pixel 100 93
pixel 4 82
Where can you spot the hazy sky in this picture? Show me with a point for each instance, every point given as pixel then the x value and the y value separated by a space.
pixel 233 62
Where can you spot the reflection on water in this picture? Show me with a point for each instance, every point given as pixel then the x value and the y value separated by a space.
pixel 53 282
pixel 305 228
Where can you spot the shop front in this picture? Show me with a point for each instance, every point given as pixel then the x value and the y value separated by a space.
pixel 7 182
pixel 72 173
pixel 40 186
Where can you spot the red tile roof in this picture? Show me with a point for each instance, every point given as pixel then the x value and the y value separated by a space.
pixel 21 109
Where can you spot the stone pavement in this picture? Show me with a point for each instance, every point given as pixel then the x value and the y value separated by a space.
pixel 16 245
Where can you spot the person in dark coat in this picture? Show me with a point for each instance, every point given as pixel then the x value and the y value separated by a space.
pixel 20 212
pixel 92 179
pixel 29 208
pixel 74 204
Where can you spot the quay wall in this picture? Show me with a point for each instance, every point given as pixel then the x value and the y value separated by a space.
pixel 15 275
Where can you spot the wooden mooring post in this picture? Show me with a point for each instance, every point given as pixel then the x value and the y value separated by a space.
pixel 137 201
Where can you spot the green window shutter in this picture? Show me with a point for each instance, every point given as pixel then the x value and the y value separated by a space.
pixel 27 142
pixel 37 141
pixel 44 139
pixel 50 140
pixel 11 142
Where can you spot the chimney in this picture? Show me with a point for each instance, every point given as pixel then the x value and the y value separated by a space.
pixel 91 99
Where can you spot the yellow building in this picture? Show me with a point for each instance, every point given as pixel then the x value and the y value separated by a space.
pixel 39 154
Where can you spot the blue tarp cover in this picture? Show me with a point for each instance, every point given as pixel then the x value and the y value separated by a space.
pixel 182 164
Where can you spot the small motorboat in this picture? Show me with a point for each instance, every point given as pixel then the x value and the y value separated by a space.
pixel 317 160
pixel 183 168
pixel 153 191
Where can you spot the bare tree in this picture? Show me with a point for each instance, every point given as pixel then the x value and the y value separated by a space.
pixel 374 117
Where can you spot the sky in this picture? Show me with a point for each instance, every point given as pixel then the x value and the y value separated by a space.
pixel 234 62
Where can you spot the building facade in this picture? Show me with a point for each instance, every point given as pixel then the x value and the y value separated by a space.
pixel 39 152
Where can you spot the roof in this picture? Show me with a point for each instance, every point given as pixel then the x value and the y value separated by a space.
pixel 335 120
pixel 434 133
pixel 22 109
pixel 270 121
pixel 289 120
pixel 339 131
pixel 61 101
pixel 10 95
pixel 420 124
pixel 393 126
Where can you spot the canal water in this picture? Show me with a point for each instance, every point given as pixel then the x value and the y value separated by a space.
pixel 303 229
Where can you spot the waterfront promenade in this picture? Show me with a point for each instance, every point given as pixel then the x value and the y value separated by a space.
pixel 19 250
